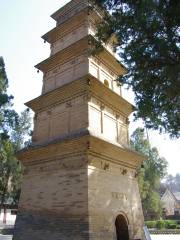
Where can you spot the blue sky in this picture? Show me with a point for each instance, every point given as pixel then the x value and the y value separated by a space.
pixel 22 24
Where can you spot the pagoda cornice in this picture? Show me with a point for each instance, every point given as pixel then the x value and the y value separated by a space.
pixel 115 153
pixel 71 8
pixel 63 56
pixel 87 86
pixel 79 48
pixel 86 145
pixel 69 145
pixel 110 98
pixel 62 94
pixel 111 61
pixel 66 27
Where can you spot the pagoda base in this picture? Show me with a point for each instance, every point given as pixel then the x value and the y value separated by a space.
pixel 80 188
pixel 45 226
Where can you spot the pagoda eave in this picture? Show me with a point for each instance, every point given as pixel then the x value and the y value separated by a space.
pixel 111 98
pixel 65 28
pixel 63 56
pixel 120 68
pixel 122 154
pixel 69 7
pixel 79 48
pixel 48 36
pixel 60 94
pixel 87 144
pixel 87 86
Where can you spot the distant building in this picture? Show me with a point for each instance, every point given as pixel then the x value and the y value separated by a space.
pixel 8 214
pixel 171 202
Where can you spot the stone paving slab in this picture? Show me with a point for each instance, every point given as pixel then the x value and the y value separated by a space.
pixel 5 237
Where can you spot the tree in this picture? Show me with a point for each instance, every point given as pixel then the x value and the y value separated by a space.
pixel 148 43
pixel 13 131
pixel 8 117
pixel 173 183
pixel 4 98
pixel 10 167
pixel 154 169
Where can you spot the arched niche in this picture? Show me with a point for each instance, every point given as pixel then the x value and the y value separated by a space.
pixel 122 231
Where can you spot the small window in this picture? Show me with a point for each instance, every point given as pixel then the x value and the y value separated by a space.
pixel 106 83
pixel 13 212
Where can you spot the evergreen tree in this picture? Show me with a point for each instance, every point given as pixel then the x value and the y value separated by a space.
pixel 148 42
pixel 173 183
pixel 154 169
pixel 13 130
pixel 8 117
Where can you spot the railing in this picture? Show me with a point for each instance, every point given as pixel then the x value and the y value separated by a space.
pixel 165 231
pixel 147 233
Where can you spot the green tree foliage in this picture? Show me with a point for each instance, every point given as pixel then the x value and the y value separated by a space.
pixel 4 98
pixel 8 117
pixel 150 175
pixel 173 182
pixel 9 168
pixel 14 129
pixel 148 42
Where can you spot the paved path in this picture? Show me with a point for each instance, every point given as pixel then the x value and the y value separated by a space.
pixel 165 237
pixel 3 237
pixel 154 237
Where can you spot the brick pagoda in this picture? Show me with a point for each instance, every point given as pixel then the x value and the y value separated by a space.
pixel 80 178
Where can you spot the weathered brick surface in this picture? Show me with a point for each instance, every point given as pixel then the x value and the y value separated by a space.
pixel 78 197
pixel 54 201
pixel 41 227
pixel 111 193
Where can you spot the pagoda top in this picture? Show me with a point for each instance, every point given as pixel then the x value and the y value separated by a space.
pixel 68 8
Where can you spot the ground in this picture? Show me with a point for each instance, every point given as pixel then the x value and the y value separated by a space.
pixel 154 237
pixel 2 237
pixel 165 237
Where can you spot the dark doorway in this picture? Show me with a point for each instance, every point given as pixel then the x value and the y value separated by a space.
pixel 122 228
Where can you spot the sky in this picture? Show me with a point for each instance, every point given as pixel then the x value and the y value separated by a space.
pixel 22 23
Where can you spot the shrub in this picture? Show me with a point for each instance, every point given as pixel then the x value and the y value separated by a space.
pixel 171 226
pixel 151 224
pixel 169 222
pixel 160 224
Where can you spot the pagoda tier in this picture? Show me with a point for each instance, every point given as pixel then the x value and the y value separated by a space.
pixel 70 9
pixel 83 104
pixel 75 62
pixel 72 30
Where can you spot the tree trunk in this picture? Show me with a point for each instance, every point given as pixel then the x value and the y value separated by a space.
pixel 4 216
pixel 3 196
